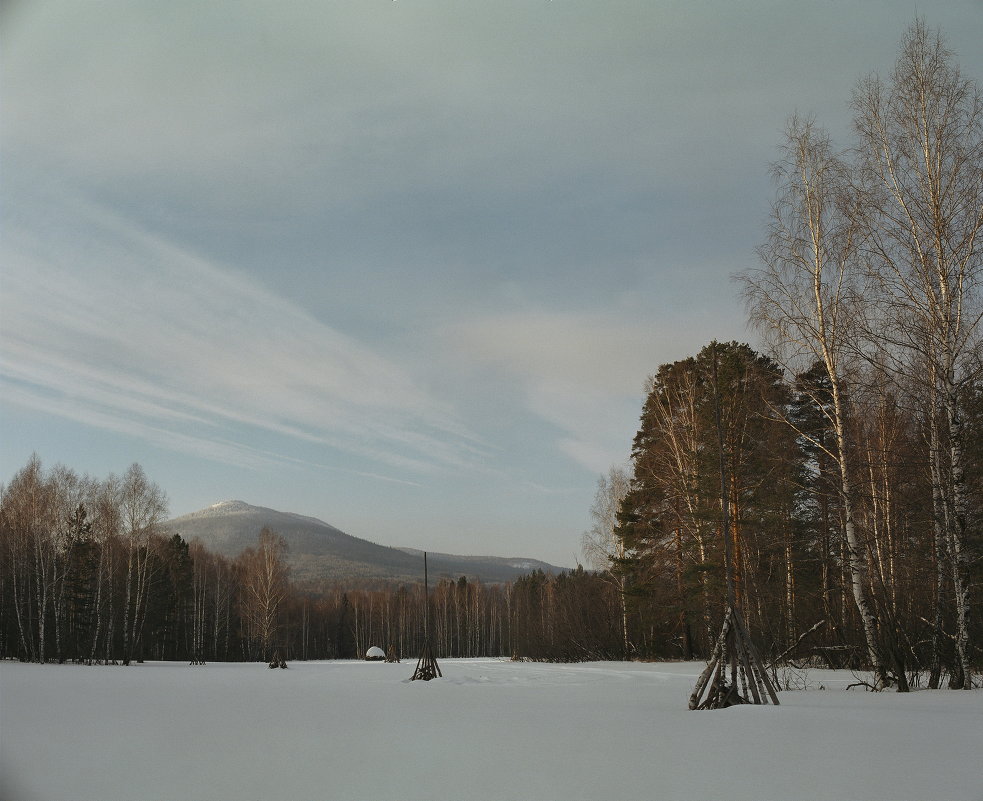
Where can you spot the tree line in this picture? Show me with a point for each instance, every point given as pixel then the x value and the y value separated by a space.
pixel 87 575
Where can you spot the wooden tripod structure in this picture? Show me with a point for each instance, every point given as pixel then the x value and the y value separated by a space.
pixel 426 666
pixel 733 653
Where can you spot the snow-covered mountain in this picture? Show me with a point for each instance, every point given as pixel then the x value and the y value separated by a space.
pixel 321 551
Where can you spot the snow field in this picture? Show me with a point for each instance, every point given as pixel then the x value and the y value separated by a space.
pixel 490 729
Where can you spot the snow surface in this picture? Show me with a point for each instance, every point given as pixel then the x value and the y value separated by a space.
pixel 490 729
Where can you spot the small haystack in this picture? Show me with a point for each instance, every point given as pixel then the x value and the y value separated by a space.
pixel 375 654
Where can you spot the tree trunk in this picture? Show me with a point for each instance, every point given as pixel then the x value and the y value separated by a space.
pixel 956 532
pixel 856 561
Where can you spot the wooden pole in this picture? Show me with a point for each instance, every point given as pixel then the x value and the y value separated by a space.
pixel 724 493
pixel 426 666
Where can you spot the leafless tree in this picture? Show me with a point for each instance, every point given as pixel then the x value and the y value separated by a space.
pixel 921 154
pixel 143 507
pixel 263 590
pixel 106 528
pixel 601 545
pixel 803 300
pixel 28 520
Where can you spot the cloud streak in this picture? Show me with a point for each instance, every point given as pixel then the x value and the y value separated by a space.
pixel 131 333
pixel 345 236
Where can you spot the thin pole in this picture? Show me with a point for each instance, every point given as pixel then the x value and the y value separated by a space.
pixel 725 504
pixel 724 495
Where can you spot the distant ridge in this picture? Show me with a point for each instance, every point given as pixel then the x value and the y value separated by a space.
pixel 321 552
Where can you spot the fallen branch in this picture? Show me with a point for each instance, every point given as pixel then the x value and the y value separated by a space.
pixel 865 684
pixel 794 645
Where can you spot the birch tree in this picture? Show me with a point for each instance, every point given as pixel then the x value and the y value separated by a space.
pixel 143 507
pixel 27 524
pixel 263 589
pixel 921 153
pixel 802 300
pixel 106 528
pixel 601 544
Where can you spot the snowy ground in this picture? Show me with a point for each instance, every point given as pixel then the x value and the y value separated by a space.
pixel 488 730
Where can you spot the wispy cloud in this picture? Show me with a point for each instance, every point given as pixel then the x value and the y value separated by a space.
pixel 121 329
pixel 580 371
pixel 539 489
pixel 232 453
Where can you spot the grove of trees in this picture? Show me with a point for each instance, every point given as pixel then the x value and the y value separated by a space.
pixel 853 447
pixel 794 566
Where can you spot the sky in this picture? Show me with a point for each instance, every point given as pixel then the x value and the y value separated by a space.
pixel 401 265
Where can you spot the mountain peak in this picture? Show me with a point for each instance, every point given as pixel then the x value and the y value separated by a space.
pixel 229 506
pixel 319 551
pixel 221 509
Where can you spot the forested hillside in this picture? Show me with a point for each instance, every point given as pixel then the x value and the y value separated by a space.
pixel 320 553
